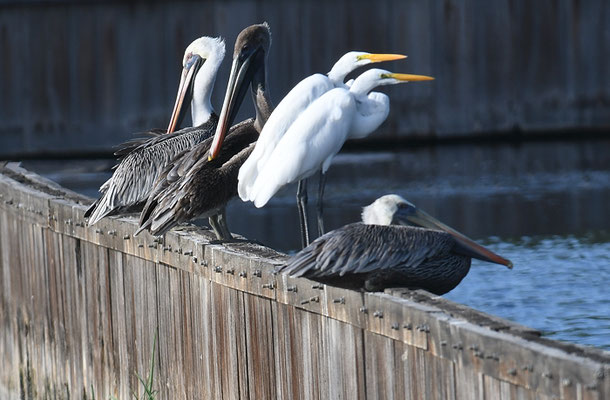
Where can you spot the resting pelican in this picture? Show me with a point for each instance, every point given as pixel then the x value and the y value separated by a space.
pixel 375 255
pixel 194 186
pixel 287 111
pixel 142 160
pixel 317 135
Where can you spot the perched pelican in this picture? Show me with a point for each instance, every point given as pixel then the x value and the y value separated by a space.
pixel 317 135
pixel 375 255
pixel 287 111
pixel 142 160
pixel 194 186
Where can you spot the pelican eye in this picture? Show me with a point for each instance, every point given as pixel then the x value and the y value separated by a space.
pixel 191 60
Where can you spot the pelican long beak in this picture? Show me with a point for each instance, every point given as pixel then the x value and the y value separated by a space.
pixel 185 91
pixel 408 77
pixel 239 79
pixel 374 58
pixel 466 246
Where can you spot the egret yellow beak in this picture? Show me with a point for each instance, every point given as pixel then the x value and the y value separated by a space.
pixel 381 57
pixel 408 77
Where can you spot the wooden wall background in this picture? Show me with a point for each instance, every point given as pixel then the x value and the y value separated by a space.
pixel 79 307
pixel 81 76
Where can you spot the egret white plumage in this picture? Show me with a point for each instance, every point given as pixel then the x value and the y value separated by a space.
pixel 288 110
pixel 142 159
pixel 382 252
pixel 317 135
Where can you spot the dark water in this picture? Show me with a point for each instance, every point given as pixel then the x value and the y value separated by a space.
pixel 544 205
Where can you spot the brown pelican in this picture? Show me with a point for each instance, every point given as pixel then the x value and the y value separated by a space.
pixel 375 254
pixel 291 106
pixel 196 186
pixel 317 134
pixel 141 160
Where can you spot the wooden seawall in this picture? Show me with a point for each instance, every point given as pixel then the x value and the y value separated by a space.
pixel 80 307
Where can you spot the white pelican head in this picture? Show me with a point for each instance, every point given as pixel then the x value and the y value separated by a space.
pixel 204 54
pixel 382 210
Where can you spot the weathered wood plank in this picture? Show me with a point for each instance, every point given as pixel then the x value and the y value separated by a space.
pixel 166 336
pixel 8 338
pixel 381 382
pixel 95 340
pixel 71 307
pixel 342 356
pixel 122 374
pixel 469 384
pixel 137 359
pixel 208 380
pixel 227 320
pixel 57 295
pixel 260 355
pixel 427 376
pixel 297 358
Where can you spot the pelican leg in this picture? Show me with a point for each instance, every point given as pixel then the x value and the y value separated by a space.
pixel 322 184
pixel 221 229
pixel 216 226
pixel 302 205
pixel 222 220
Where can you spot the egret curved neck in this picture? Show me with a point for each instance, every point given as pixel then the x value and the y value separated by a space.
pixel 362 86
pixel 371 111
pixel 201 105
pixel 338 73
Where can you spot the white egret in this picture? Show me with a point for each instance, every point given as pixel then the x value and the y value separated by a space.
pixel 287 111
pixel 317 135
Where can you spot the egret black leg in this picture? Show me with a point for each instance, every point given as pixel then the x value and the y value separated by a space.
pixel 302 205
pixel 321 186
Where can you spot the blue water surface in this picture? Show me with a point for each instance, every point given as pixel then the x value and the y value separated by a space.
pixel 560 285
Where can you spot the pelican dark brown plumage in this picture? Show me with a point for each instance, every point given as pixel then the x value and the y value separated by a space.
pixel 381 252
pixel 196 185
pixel 142 160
